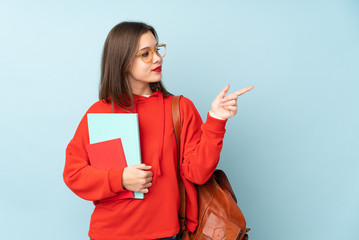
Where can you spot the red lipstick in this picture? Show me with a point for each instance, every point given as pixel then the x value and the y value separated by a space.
pixel 157 69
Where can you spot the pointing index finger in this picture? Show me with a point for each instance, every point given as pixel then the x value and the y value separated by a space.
pixel 244 90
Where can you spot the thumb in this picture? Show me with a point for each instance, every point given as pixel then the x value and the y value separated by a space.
pixel 142 166
pixel 223 92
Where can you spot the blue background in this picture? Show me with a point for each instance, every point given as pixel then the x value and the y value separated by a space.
pixel 291 153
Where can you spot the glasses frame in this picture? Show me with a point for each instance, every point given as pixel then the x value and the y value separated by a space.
pixel 152 51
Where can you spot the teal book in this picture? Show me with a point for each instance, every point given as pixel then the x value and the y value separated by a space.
pixel 108 126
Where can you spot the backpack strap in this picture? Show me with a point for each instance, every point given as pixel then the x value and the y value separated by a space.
pixel 176 117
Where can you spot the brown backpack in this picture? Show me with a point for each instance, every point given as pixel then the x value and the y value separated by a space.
pixel 219 217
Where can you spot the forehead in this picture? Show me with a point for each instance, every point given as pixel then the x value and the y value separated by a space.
pixel 147 40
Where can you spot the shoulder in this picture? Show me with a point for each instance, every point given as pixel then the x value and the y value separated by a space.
pixel 100 106
pixel 186 104
pixel 188 110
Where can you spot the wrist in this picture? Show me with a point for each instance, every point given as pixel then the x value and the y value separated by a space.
pixel 115 179
pixel 215 116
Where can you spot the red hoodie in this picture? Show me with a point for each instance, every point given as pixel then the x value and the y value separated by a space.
pixel 155 216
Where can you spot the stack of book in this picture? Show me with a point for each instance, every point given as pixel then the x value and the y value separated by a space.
pixel 114 143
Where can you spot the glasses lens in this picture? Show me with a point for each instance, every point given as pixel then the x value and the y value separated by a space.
pixel 161 51
pixel 146 55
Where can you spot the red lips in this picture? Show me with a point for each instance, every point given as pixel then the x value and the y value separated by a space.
pixel 157 69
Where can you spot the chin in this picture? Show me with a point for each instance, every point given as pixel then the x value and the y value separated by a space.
pixel 156 80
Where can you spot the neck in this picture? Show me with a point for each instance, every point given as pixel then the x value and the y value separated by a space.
pixel 141 89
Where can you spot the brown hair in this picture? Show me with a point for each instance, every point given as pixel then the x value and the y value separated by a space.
pixel 118 55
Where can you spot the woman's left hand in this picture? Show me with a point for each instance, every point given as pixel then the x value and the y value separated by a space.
pixel 225 107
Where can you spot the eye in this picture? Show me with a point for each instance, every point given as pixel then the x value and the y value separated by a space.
pixel 145 54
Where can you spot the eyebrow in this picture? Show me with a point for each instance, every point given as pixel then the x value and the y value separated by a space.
pixel 147 47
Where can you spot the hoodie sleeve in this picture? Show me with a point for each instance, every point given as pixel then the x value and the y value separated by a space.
pixel 84 180
pixel 201 143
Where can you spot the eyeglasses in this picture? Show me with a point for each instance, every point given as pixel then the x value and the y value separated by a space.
pixel 147 54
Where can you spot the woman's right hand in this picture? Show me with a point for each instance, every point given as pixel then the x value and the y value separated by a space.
pixel 137 178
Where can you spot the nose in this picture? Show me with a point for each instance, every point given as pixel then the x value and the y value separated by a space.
pixel 156 57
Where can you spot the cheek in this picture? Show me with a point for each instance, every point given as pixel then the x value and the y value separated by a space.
pixel 136 68
pixel 141 68
pixel 141 72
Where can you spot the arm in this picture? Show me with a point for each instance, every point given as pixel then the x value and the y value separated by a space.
pixel 96 184
pixel 201 144
pixel 84 180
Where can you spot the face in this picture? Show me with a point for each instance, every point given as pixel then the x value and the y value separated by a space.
pixel 142 74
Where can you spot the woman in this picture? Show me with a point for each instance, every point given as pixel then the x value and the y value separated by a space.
pixel 131 82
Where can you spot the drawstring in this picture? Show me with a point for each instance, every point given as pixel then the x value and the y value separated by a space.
pixel 162 122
